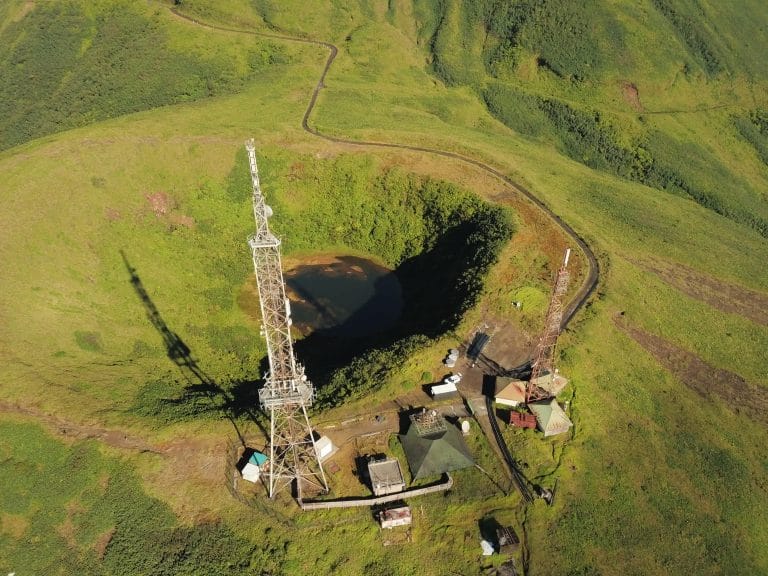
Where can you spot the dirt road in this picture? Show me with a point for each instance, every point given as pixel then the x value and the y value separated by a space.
pixel 590 279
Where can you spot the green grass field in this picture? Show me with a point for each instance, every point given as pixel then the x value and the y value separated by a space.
pixel 642 124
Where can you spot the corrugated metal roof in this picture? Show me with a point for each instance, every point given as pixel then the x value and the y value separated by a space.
pixel 323 442
pixel 552 383
pixel 514 390
pixel 386 476
pixel 550 417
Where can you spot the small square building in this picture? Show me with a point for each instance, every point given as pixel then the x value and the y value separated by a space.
pixel 395 517
pixel 510 392
pixel 522 419
pixel 254 466
pixel 553 383
pixel 324 447
pixel 386 476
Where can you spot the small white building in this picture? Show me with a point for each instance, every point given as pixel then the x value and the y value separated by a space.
pixel 253 468
pixel 512 392
pixel 440 389
pixel 324 447
pixel 486 547
pixel 395 517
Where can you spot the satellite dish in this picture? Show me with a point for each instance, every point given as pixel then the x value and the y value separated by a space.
pixel 465 427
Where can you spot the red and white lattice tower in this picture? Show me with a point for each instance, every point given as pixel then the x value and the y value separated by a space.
pixel 287 393
pixel 543 361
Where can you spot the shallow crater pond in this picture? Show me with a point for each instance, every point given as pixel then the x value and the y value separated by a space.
pixel 343 296
pixel 347 297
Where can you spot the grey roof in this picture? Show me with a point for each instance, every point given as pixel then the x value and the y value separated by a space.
pixel 385 474
pixel 552 383
pixel 435 454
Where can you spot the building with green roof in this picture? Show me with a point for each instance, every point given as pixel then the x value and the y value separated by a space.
pixel 550 418
pixel 435 453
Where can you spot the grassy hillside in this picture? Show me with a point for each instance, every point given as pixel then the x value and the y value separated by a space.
pixel 71 63
pixel 85 512
pixel 549 70
pixel 641 124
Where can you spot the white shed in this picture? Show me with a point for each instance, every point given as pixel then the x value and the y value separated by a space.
pixel 252 469
pixel 324 447
pixel 439 389
pixel 511 391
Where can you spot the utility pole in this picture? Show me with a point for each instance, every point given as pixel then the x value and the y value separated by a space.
pixel 287 392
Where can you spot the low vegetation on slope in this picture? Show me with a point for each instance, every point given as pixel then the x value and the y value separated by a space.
pixel 652 157
pixel 88 514
pixel 69 64
pixel 662 361
pixel 539 65
pixel 185 245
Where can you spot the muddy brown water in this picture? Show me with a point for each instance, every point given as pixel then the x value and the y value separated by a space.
pixel 347 296
pixel 337 296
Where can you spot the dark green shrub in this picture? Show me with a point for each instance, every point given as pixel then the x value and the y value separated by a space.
pixel 692 34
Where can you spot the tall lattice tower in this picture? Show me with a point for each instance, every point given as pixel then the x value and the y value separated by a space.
pixel 544 356
pixel 287 392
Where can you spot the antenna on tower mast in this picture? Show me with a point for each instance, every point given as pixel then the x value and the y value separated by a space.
pixel 287 392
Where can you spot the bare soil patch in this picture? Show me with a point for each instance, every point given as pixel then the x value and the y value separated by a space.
pixel 25 9
pixel 74 431
pixel 706 380
pixel 13 525
pixel 165 208
pixel 112 215
pixel 67 532
pixel 248 299
pixel 160 203
pixel 631 95
pixel 204 456
pixel 717 293
pixel 176 220
pixel 67 528
pixel 100 546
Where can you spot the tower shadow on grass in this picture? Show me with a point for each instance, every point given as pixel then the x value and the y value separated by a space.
pixel 233 403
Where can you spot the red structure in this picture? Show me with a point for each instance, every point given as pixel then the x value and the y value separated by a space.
pixel 544 355
pixel 522 419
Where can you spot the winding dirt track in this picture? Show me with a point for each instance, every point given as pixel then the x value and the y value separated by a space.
pixel 593 272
